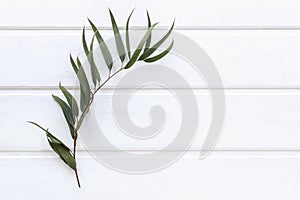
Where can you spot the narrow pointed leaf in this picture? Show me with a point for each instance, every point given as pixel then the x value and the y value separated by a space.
pixel 104 49
pixel 161 55
pixel 73 64
pixel 66 110
pixel 72 130
pixel 92 43
pixel 149 38
pixel 85 47
pixel 64 153
pixel 85 90
pixel 83 99
pixel 127 35
pixel 90 58
pixel 118 39
pixel 148 53
pixel 81 120
pixel 70 99
pixel 59 147
pixel 67 114
pixel 94 70
pixel 37 125
pixel 139 48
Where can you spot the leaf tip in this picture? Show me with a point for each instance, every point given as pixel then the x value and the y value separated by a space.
pixel 90 21
pixel 131 12
pixel 173 23
pixel 155 24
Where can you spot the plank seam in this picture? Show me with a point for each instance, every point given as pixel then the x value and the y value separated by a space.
pixel 55 88
pixel 66 28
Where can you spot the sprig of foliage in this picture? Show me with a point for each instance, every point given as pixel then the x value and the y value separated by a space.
pixel 70 109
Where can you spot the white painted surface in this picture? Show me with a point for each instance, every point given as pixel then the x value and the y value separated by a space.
pixel 244 59
pixel 255 45
pixel 229 175
pixel 190 13
pixel 255 119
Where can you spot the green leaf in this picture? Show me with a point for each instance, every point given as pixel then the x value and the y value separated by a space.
pixel 118 39
pixel 85 90
pixel 94 70
pixel 127 35
pixel 72 130
pixel 148 53
pixel 85 47
pixel 138 50
pixel 80 121
pixel 104 49
pixel 37 125
pixel 66 110
pixel 92 43
pixel 59 147
pixel 149 38
pixel 64 153
pixel 67 113
pixel 73 64
pixel 161 55
pixel 71 100
pixel 90 57
pixel 84 100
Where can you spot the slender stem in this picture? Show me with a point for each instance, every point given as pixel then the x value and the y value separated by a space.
pixel 93 94
pixel 108 79
pixel 74 155
pixel 83 114
pixel 77 178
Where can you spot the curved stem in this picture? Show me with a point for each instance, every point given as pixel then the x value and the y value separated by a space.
pixel 83 114
pixel 93 95
pixel 108 80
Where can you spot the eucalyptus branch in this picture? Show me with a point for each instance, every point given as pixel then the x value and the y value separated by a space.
pixel 71 109
pixel 81 118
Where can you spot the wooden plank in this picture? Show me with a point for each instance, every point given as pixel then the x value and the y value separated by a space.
pixel 244 59
pixel 191 13
pixel 255 119
pixel 240 175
